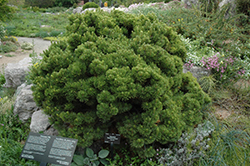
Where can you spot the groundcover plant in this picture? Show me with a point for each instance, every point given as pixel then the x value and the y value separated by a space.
pixel 122 73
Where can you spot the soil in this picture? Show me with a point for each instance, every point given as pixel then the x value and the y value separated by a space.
pixel 39 46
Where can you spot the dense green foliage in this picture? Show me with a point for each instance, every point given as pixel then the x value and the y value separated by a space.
pixel 50 3
pixel 209 5
pixel 90 5
pixel 65 3
pixel 118 72
pixel 28 23
pixel 5 10
pixel 40 3
pixel 12 132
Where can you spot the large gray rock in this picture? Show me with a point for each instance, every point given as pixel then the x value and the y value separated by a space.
pixel 15 73
pixel 231 11
pixel 88 9
pixel 39 122
pixel 25 105
pixel 197 72
pixel 77 10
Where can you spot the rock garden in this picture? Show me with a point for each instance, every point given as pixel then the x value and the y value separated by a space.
pixel 172 78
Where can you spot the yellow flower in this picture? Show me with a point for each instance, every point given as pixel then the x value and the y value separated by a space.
pixel 35 65
pixel 221 62
pixel 14 38
pixel 223 55
pixel 179 20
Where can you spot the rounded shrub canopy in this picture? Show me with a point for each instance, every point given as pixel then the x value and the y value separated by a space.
pixel 118 72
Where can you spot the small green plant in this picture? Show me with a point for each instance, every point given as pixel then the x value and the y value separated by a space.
pixel 74 5
pixel 90 5
pixel 207 83
pixel 2 80
pixel 9 55
pixel 189 148
pixel 8 47
pixel 90 159
pixel 35 9
pixel 27 46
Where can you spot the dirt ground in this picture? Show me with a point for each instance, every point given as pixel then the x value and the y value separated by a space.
pixel 39 46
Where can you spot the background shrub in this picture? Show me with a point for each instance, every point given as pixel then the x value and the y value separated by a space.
pixel 65 3
pixel 121 73
pixel 40 3
pixel 5 10
pixel 90 5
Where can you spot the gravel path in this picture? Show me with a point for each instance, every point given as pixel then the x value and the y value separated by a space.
pixel 40 46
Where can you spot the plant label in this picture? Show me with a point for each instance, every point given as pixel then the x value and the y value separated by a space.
pixel 111 137
pixel 49 149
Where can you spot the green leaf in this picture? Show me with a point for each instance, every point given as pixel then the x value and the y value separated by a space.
pixel 72 164
pixel 96 162
pixel 103 153
pixel 89 152
pixel 93 158
pixel 78 159
pixel 86 161
pixel 104 161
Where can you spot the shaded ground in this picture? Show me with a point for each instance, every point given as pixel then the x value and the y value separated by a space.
pixel 40 46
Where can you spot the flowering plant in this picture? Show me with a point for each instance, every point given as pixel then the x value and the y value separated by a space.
pixel 224 68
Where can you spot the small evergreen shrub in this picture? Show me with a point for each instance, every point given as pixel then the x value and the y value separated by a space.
pixel 90 5
pixel 118 72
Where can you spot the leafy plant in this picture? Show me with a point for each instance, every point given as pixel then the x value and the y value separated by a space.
pixel 2 80
pixel 189 147
pixel 90 159
pixel 12 132
pixel 207 83
pixel 8 47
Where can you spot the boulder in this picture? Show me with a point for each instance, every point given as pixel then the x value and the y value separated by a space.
pixel 231 11
pixel 24 105
pixel 197 72
pixel 88 9
pixel 77 10
pixel 39 122
pixel 15 73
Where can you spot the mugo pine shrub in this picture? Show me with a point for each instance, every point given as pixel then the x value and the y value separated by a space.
pixel 118 72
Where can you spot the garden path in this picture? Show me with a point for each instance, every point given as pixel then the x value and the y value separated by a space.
pixel 39 46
